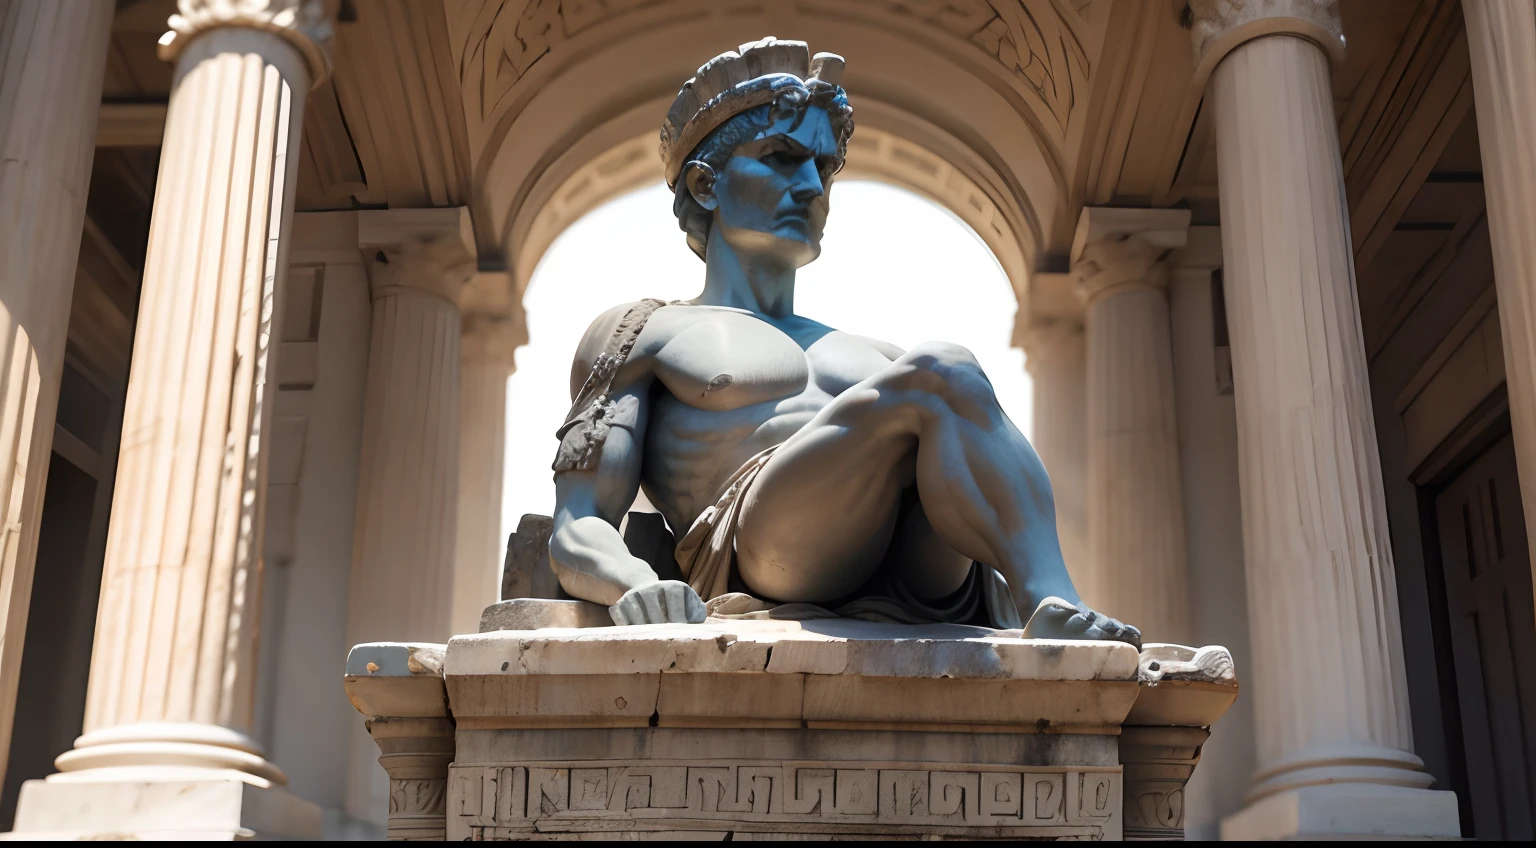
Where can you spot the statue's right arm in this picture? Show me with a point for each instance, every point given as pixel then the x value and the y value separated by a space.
pixel 586 550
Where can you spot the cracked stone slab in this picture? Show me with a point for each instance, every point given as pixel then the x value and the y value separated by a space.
pixel 779 673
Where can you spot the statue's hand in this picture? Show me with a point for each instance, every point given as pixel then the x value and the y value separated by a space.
pixel 662 602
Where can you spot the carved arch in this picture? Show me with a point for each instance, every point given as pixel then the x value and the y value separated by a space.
pixel 559 94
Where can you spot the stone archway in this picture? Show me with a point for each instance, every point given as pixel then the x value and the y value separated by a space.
pixel 976 105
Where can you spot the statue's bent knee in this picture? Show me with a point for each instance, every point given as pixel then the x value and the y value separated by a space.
pixel 947 371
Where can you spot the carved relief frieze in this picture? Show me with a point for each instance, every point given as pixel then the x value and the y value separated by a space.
pixel 508 801
pixel 522 32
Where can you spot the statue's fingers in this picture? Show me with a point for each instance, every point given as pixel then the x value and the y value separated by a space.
pixel 675 595
pixel 694 606
pixel 650 600
pixel 618 614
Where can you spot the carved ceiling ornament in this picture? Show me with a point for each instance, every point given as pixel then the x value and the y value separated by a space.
pixel 1037 41
pixel 306 24
pixel 1221 25
pixel 520 33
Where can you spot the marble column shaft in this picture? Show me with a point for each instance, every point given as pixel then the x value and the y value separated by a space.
pixel 1056 356
pixel 408 487
pixel 1328 681
pixel 1502 42
pixel 1136 532
pixel 484 366
pixel 52 57
pixel 174 665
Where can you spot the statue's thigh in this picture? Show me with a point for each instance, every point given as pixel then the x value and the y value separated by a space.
pixel 925 563
pixel 818 519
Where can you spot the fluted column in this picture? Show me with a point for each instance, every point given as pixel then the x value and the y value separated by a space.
pixel 1328 683
pixel 1135 498
pixel 486 362
pixel 51 60
pixel 408 483
pixel 174 665
pixel 1056 356
pixel 1502 41
pixel 407 518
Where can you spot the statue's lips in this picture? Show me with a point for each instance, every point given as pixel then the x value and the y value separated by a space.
pixel 795 218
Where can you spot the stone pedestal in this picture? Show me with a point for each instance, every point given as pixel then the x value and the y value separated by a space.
pixel 767 729
pixel 167 747
pixel 400 687
pixel 1135 496
pixel 1334 734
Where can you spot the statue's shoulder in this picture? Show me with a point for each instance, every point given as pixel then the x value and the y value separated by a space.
pixel 613 334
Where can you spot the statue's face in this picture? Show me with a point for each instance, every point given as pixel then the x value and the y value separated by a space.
pixel 771 197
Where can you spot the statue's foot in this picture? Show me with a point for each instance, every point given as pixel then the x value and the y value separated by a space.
pixel 1057 619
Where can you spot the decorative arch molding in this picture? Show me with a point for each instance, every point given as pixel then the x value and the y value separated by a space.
pixel 872 154
pixel 993 88
pixel 1037 51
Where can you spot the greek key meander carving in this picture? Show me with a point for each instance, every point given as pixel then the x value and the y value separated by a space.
pixel 1036 40
pixel 508 800
pixel 1155 807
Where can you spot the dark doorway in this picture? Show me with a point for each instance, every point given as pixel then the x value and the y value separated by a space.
pixel 1492 617
pixel 60 625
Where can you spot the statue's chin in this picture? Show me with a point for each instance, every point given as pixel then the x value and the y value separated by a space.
pixel 784 250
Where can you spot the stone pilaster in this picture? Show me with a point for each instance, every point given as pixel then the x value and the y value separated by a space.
pixel 1502 41
pixel 1056 356
pixel 485 363
pixel 169 710
pixel 51 60
pixel 1135 500
pixel 406 524
pixel 1329 689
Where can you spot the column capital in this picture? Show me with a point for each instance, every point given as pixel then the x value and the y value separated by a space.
pixel 1117 249
pixel 1221 25
pixel 493 338
pixel 422 251
pixel 1045 340
pixel 306 24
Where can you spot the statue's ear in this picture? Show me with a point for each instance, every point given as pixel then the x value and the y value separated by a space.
pixel 701 184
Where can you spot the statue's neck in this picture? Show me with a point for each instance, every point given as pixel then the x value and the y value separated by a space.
pixel 741 282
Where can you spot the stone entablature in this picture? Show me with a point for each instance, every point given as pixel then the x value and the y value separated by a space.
pixel 820 728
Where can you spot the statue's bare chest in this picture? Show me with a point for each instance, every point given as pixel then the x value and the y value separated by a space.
pixel 728 360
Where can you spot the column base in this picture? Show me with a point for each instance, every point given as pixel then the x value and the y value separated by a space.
pixel 1347 810
pixel 202 809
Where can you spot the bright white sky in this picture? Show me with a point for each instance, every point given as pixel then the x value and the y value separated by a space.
pixel 894 266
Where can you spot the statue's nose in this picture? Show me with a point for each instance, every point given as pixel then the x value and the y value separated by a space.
pixel 807 185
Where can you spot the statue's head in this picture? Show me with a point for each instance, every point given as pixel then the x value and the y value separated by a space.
pixel 750 147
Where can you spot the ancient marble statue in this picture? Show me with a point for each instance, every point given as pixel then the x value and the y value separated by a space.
pixel 797 463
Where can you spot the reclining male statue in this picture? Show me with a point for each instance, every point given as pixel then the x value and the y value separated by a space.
pixel 802 465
